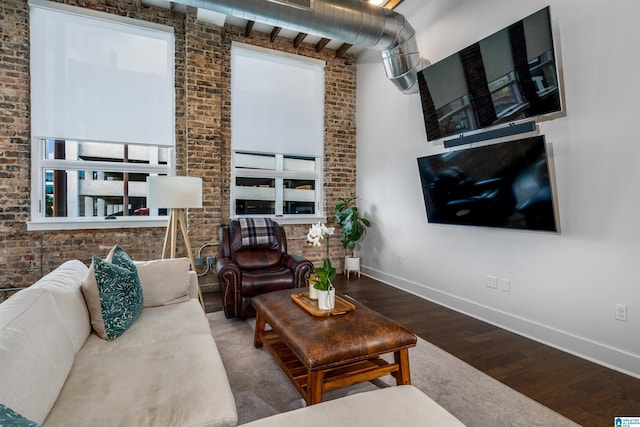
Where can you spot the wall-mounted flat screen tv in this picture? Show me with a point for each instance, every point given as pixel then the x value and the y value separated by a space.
pixel 500 185
pixel 508 76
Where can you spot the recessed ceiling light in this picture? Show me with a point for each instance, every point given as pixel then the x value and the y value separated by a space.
pixel 377 2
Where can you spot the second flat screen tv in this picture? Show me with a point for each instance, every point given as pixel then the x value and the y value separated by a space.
pixel 508 76
pixel 503 185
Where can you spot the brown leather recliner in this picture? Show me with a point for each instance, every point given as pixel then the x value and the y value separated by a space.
pixel 247 271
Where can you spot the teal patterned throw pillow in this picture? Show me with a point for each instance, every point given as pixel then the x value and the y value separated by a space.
pixel 120 292
pixel 10 418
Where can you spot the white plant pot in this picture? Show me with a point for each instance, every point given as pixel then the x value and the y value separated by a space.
pixel 313 292
pixel 351 264
pixel 326 299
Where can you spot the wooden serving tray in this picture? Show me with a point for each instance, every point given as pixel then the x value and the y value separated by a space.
pixel 311 306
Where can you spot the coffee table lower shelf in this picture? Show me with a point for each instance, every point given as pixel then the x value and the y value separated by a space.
pixel 311 384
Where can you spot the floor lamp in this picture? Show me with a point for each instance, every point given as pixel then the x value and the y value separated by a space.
pixel 175 193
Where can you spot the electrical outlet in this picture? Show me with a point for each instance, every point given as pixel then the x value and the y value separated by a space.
pixel 621 312
pixel 506 285
pixel 492 282
pixel 211 260
pixel 199 261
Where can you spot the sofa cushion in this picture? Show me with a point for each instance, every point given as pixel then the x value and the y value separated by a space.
pixel 113 294
pixel 164 281
pixel 154 324
pixel 64 284
pixel 177 382
pixel 35 353
pixel 10 418
pixel 400 406
pixel 91 295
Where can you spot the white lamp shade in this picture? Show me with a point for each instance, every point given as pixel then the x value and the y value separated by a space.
pixel 174 192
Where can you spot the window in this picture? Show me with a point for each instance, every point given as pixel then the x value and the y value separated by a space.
pixel 505 95
pixel 456 116
pixel 276 185
pixel 102 102
pixel 81 181
pixel 277 128
pixel 543 73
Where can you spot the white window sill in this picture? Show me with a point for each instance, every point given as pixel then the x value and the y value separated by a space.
pixel 53 224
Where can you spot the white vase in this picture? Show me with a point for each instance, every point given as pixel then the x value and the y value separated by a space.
pixel 326 299
pixel 313 292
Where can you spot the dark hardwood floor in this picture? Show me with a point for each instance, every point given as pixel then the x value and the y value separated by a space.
pixel 584 392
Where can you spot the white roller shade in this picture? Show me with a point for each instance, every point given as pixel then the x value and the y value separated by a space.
pixel 496 55
pixel 537 32
pixel 100 77
pixel 277 102
pixel 446 80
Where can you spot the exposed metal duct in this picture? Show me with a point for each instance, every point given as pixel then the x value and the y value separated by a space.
pixel 352 21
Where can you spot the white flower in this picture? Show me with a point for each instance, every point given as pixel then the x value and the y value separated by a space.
pixel 317 232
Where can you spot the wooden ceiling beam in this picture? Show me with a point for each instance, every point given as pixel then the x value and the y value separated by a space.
pixel 392 4
pixel 298 40
pixel 249 28
pixel 340 52
pixel 274 33
pixel 321 44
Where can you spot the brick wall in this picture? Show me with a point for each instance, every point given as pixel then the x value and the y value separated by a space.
pixel 202 142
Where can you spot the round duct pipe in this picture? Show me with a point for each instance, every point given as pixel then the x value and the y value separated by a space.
pixel 352 21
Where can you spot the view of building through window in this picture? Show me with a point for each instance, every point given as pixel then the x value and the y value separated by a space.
pixel 84 179
pixel 275 184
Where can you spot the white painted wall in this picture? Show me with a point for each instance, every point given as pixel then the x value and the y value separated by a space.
pixel 563 286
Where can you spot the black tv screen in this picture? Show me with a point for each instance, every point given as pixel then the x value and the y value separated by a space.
pixel 508 76
pixel 499 185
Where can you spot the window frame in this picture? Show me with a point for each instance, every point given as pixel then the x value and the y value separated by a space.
pixel 304 144
pixel 507 81
pixel 39 165
pixel 279 175
pixel 465 108
pixel 165 73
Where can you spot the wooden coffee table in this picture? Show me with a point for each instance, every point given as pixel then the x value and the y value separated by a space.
pixel 320 354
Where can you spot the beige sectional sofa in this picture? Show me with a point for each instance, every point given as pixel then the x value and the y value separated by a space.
pixel 165 370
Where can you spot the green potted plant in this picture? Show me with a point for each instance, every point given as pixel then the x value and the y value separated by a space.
pixel 320 287
pixel 326 274
pixel 325 291
pixel 353 227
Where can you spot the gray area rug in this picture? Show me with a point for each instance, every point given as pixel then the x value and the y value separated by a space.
pixel 261 389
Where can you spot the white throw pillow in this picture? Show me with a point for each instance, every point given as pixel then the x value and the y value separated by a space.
pixel 164 281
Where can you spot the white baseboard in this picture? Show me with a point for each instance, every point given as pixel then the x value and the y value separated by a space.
pixel 592 351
